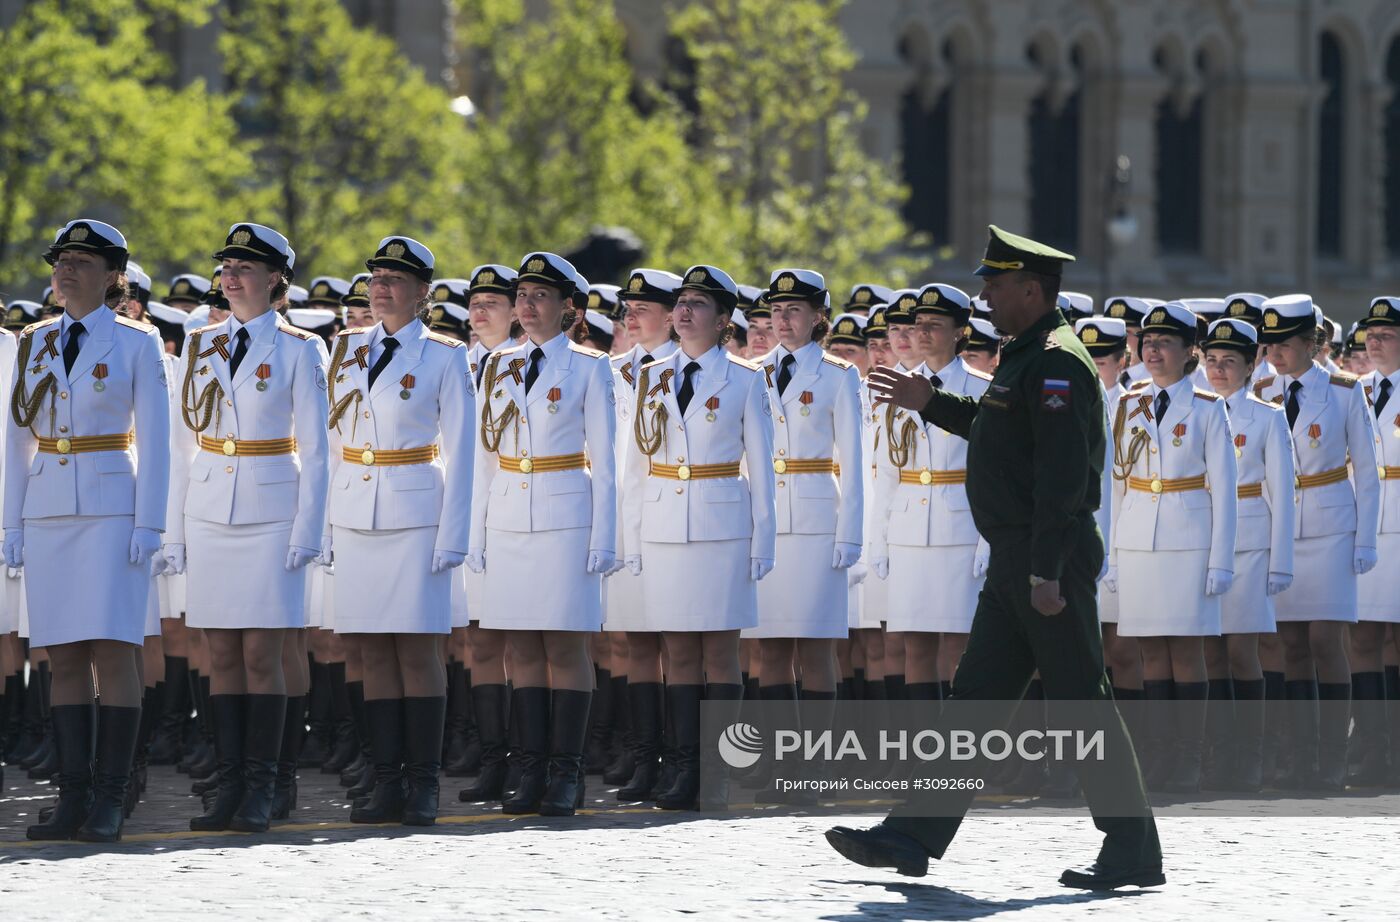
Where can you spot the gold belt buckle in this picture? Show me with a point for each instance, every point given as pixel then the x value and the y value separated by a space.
pixel 780 466
pixel 1156 485
pixel 526 465
pixel 1297 483
pixel 367 457
pixel 230 448
pixel 925 477
pixel 64 446
pixel 1380 469
pixel 683 472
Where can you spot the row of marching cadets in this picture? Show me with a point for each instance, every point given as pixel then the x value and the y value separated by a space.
pixel 1247 511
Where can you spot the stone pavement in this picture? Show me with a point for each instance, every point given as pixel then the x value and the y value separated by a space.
pixel 629 862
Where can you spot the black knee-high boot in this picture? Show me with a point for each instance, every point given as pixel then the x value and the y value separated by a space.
pixel 683 708
pixel 780 702
pixel 1189 709
pixel 1301 749
pixel 489 702
pixel 600 724
pixel 424 720
pixel 43 761
pixel 1157 756
pixel 284 797
pixel 644 701
pixel 619 770
pixel 1334 719
pixel 117 730
pixel 1272 757
pixel 461 747
pixel 227 714
pixel 1372 734
pixel 568 719
pixel 727 700
pixel 345 737
pixel 1218 752
pixel 73 739
pixel 1392 719
pixel 529 714
pixel 1247 748
pixel 172 713
pixel 316 747
pixel 384 718
pixel 262 743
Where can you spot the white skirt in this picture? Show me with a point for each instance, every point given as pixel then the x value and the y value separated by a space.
pixel 853 604
pixel 385 583
pixel 804 596
pixel 173 601
pixel 237 577
pixel 874 599
pixel 313 595
pixel 626 603
pixel 699 586
pixel 328 600
pixel 1163 594
pixel 1108 605
pixel 9 605
pixel 21 605
pixel 153 608
pixel 539 581
pixel 1247 608
pixel 84 585
pixel 460 604
pixel 932 589
pixel 1324 583
pixel 474 584
pixel 1378 592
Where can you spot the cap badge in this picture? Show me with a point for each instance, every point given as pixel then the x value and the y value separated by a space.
pixel 786 283
pixel 1117 309
pixel 535 265
pixel 1157 317
pixel 240 237
pixel 595 299
pixel 635 284
pixel 394 250
pixel 1238 308
pixel 1271 319
pixel 1380 308
pixel 697 276
pixel 1090 335
pixel 929 297
pixel 1226 331
pixel 78 234
pixel 361 287
pixel 441 293
pixel 182 287
pixel 486 277
pixel 321 290
pixel 862 296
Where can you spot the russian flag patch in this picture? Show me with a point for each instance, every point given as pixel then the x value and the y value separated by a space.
pixel 1054 395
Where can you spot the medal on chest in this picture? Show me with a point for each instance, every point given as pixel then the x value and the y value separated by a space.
pixel 1239 445
pixel 1314 433
pixel 263 373
pixel 406 383
pixel 99 372
pixel 1177 432
pixel 711 405
pixel 805 399
pixel 553 397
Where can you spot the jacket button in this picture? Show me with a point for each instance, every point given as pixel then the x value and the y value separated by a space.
pixel 62 428
pixel 367 414
pixel 781 419
pixel 63 395
pixel 782 482
pixel 229 469
pixel 524 486
pixel 680 458
pixel 62 461
pixel 524 454
pixel 680 490
pixel 782 451
pixel 228 403
pixel 924 501
pixel 365 477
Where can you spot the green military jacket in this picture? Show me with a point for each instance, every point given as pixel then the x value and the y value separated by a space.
pixel 1035 443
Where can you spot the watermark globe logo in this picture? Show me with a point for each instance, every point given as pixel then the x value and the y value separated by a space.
pixel 740 745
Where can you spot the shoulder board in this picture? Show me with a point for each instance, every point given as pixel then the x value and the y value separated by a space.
pixel 207 329
pixel 1051 341
pixel 293 331
pixel 655 362
pixel 1206 395
pixel 133 324
pixel 751 366
pixel 979 374
pixel 830 359
pixel 1139 385
pixel 38 325
pixel 1255 398
pixel 350 330
pixel 1262 383
pixel 444 340
pixel 588 351
pixel 1343 380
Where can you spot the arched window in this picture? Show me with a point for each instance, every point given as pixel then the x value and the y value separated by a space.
pixel 1054 163
pixel 925 126
pixel 1330 129
pixel 1180 141
pixel 1392 152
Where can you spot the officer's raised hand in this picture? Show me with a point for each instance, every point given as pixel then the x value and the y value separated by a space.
pixel 912 392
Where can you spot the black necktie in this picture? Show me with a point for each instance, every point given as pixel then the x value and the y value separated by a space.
pixel 936 381
pixel 239 350
pixel 481 366
pixel 391 346
pixel 1292 407
pixel 533 371
pixel 687 387
pixel 643 362
pixel 1385 395
pixel 1125 379
pixel 785 372
pixel 1163 401
pixel 71 347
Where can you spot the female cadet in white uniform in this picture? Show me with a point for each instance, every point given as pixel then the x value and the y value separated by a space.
pixel 926 544
pixel 85 381
pixel 649 296
pixel 1263 559
pixel 491 312
pixel 1173 537
pixel 703 528
pixel 401 469
pixel 544 517
pixel 1378 592
pixel 820 501
pixel 847 342
pixel 1334 535
pixel 248 496
pixel 874 591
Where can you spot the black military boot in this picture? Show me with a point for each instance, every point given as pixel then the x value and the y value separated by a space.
pixel 1188 732
pixel 670 758
pixel 73 739
pixel 1217 762
pixel 1246 774
pixel 1372 734
pixel 316 746
pixel 150 717
pixel 489 702
pixel 1301 754
pixel 384 717
pixel 284 796
pixel 644 703
pixel 43 761
pixel 619 770
pixel 226 713
pixel 600 725
pixel 727 700
pixel 1334 719
pixel 1156 756
pixel 568 720
pixel 262 743
pixel 345 743
pixel 684 709
pixel 462 744
pixel 423 722
pixel 117 730
pixel 529 712
pixel 1275 730
pixel 172 713
pixel 780 702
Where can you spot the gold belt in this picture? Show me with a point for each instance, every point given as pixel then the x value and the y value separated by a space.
pixel 926 477
pixel 804 466
pixel 542 465
pixel 82 443
pixel 1250 490
pixel 250 447
pixel 695 471
pixel 1335 475
pixel 381 457
pixel 1158 485
pixel 1388 473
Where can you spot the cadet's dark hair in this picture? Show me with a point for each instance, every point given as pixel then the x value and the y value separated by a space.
pixel 119 291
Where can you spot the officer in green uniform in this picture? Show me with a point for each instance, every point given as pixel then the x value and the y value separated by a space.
pixel 1034 460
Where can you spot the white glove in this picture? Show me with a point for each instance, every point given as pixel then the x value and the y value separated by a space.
pixel 980 559
pixel 1110 579
pixel 144 543
pixel 12 573
pixel 601 561
pixel 1279 582
pixel 157 563
pixel 617 567
pixel 174 555
pixel 844 556
pixel 476 559
pixel 634 564
pixel 881 566
pixel 857 574
pixel 14 547
pixel 298 556
pixel 1218 582
pixel 327 556
pixel 1363 560
pixel 760 567
pixel 447 560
